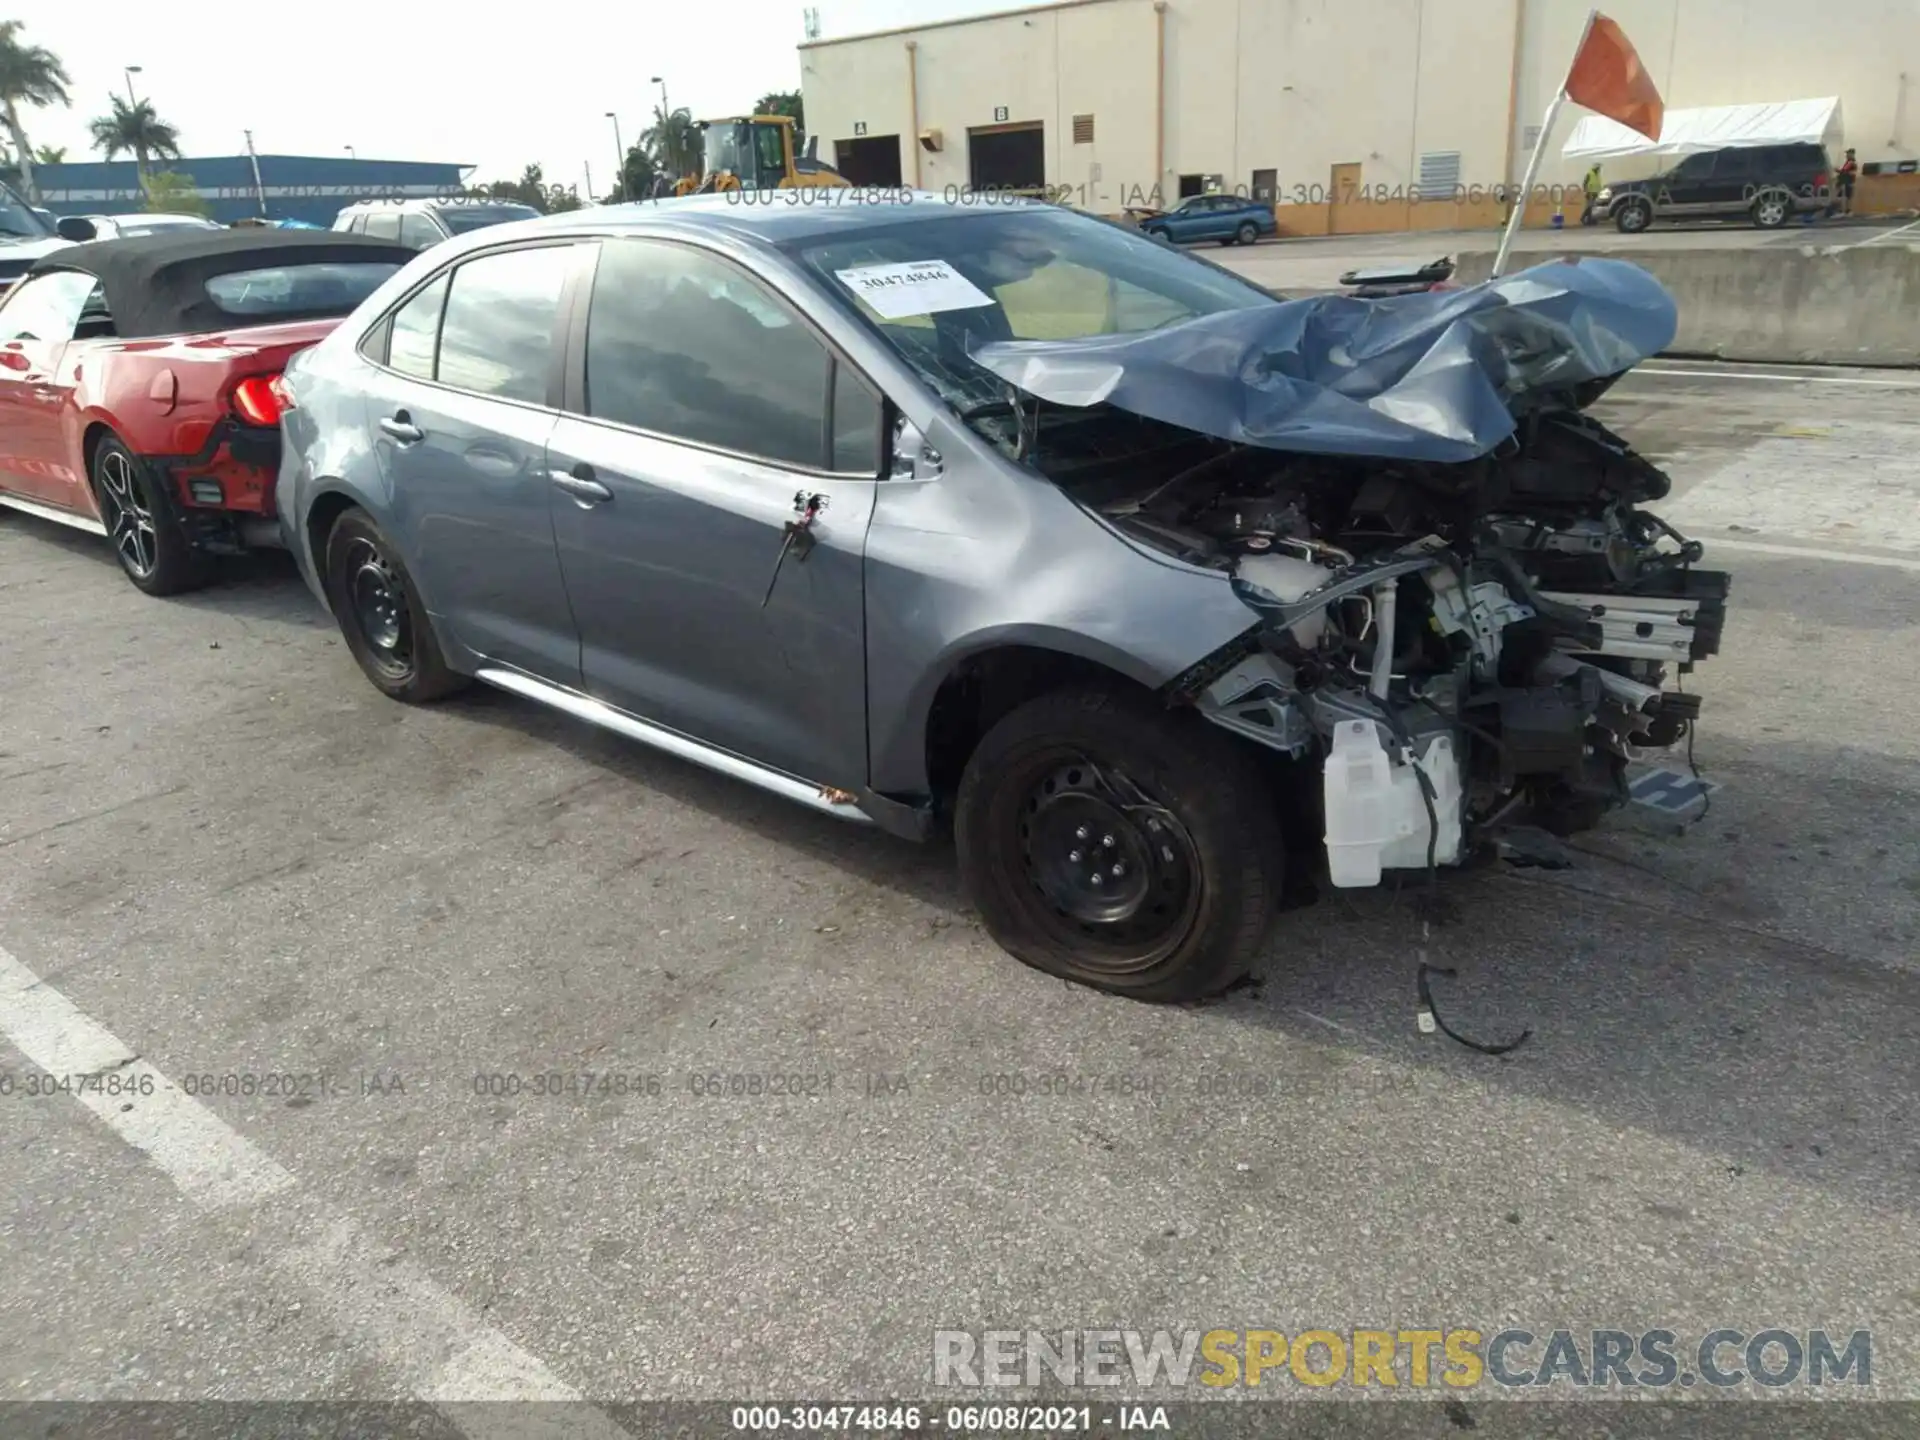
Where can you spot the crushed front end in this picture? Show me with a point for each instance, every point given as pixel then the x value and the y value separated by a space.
pixel 1466 617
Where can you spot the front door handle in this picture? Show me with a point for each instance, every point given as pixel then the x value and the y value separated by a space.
pixel 584 490
pixel 401 428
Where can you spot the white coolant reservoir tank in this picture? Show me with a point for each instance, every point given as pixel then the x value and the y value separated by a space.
pixel 1287 578
pixel 1358 785
pixel 1376 810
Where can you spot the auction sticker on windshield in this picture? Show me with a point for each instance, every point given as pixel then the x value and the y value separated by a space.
pixel 916 287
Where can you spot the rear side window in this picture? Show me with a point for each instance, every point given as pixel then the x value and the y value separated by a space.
pixel 383 224
pixel 686 345
pixel 358 225
pixel 1736 164
pixel 416 332
pixel 326 289
pixel 418 231
pixel 497 334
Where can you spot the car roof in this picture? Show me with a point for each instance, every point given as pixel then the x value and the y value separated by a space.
pixel 156 284
pixel 769 217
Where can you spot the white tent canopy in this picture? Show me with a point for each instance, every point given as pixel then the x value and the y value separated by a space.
pixel 1712 127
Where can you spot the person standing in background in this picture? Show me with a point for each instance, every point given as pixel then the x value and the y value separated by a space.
pixel 1592 184
pixel 1843 183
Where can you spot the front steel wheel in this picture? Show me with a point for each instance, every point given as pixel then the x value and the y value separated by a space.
pixel 1112 842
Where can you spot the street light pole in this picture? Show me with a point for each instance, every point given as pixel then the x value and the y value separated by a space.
pixel 619 153
pixel 666 126
pixel 352 154
pixel 131 71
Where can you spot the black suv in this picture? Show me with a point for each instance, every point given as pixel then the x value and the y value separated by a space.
pixel 1767 184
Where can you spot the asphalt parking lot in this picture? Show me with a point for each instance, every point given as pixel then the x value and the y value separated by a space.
pixel 223 851
pixel 1303 265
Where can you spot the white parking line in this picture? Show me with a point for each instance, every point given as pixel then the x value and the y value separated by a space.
pixel 1875 238
pixel 1796 552
pixel 213 1166
pixel 452 1358
pixel 1706 374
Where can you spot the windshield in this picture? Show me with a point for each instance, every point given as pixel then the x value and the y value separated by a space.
pixel 459 219
pixel 938 289
pixel 302 290
pixel 18 219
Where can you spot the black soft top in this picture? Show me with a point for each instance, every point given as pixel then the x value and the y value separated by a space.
pixel 157 284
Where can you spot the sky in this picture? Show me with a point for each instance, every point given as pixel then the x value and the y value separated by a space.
pixel 405 80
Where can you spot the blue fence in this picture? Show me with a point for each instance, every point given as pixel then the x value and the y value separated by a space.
pixel 295 187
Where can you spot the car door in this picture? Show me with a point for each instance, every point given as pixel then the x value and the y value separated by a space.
pixel 1685 189
pixel 37 322
pixel 706 415
pixel 459 412
pixel 1729 190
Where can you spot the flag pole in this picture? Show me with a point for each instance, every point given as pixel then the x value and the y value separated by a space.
pixel 1518 214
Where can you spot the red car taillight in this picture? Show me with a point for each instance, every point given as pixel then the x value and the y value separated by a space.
pixel 256 401
pixel 1820 182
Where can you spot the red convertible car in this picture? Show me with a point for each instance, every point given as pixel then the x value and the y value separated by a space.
pixel 136 385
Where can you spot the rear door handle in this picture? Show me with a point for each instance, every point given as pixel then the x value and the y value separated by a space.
pixel 585 490
pixel 400 428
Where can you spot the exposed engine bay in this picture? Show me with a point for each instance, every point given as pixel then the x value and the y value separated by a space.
pixel 1464 647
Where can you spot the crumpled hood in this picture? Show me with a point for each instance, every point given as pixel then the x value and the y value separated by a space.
pixel 1437 376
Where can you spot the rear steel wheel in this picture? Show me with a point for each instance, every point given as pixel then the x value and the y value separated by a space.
pixel 380 614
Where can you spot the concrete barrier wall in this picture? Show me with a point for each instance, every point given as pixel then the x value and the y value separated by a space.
pixel 1780 305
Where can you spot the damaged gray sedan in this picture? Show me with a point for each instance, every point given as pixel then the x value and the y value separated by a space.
pixel 1171 599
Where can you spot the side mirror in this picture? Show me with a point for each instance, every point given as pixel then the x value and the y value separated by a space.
pixel 76 228
pixel 913 458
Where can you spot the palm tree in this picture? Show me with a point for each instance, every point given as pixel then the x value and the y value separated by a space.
pixel 673 141
pixel 29 75
pixel 137 130
pixel 50 154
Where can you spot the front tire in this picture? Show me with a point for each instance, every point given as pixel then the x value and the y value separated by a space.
pixel 381 616
pixel 1112 842
pixel 148 541
pixel 1632 217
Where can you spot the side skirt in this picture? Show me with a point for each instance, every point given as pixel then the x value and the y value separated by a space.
pixel 841 804
pixel 49 512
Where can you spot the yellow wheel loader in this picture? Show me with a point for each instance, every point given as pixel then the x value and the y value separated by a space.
pixel 755 152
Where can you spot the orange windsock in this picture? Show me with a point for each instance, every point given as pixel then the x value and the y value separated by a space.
pixel 1608 78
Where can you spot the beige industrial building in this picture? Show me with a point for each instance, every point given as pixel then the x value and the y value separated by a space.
pixel 1351 115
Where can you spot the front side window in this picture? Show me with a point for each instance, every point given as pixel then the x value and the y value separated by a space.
pixel 937 289
pixel 47 307
pixel 287 291
pixel 415 335
pixel 497 334
pixel 383 225
pixel 686 345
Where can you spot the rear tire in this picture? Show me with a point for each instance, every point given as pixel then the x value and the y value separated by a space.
pixel 1247 234
pixel 148 541
pixel 381 616
pixel 1112 842
pixel 1632 217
